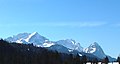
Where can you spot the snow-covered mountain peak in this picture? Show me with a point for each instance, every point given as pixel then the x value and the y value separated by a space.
pixel 70 43
pixel 70 40
pixel 34 34
pixel 95 44
pixel 19 36
pixel 96 50
pixel 34 38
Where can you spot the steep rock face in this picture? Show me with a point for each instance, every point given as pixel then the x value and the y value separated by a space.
pixel 36 39
pixel 78 47
pixel 96 50
pixel 25 38
pixel 20 36
pixel 71 44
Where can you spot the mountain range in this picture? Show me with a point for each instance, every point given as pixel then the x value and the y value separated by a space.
pixel 63 46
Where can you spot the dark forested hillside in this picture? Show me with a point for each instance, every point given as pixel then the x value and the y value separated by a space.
pixel 14 53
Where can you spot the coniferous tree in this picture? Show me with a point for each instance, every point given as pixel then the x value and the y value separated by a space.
pixel 84 59
pixel 118 60
pixel 95 61
pixel 78 59
pixel 105 60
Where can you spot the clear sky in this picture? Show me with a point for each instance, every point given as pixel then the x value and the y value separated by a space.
pixel 85 21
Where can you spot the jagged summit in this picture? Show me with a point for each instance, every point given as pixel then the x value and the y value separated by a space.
pixel 31 35
pixel 95 43
pixel 96 50
pixel 19 36
pixel 36 38
pixel 27 38
pixel 71 44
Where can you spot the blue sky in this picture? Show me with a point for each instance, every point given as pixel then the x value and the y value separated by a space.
pixel 85 21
